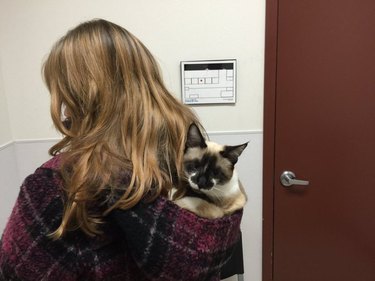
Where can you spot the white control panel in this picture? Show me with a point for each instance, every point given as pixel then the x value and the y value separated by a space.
pixel 208 82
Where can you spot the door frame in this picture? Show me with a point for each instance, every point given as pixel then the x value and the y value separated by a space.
pixel 270 83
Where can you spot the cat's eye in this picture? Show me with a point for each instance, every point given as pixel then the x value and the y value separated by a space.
pixel 191 166
pixel 216 172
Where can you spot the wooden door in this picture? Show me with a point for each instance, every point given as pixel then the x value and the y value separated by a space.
pixel 320 124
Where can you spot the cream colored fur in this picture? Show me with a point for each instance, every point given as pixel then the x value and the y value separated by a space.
pixel 226 198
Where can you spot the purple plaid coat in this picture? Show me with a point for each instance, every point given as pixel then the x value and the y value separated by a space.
pixel 155 241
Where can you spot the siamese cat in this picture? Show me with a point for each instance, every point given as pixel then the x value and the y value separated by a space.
pixel 211 188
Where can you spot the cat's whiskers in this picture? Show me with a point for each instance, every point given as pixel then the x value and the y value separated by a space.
pixel 216 193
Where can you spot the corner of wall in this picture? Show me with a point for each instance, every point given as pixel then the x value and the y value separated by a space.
pixel 9 181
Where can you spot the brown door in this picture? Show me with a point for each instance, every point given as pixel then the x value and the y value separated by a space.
pixel 320 124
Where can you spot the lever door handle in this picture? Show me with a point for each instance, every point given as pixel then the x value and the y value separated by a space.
pixel 288 178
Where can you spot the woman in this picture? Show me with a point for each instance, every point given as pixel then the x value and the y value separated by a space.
pixel 98 209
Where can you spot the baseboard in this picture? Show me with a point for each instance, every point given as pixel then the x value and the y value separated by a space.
pixel 47 140
pixel 6 145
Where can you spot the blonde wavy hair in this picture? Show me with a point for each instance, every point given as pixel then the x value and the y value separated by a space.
pixel 122 122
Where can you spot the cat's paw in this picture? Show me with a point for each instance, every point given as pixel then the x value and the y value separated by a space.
pixel 200 207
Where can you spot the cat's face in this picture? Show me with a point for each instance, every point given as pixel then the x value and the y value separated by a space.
pixel 208 164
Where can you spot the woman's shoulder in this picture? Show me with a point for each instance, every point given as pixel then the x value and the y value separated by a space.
pixel 45 183
pixel 47 172
pixel 54 163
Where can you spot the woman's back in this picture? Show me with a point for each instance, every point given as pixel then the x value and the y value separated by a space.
pixel 156 241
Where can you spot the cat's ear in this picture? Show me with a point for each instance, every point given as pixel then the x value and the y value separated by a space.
pixel 195 138
pixel 233 152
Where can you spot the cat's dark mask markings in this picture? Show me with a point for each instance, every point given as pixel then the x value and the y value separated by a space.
pixel 209 164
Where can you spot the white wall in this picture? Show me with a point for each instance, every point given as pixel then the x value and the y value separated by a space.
pixel 9 182
pixel 5 133
pixel 174 31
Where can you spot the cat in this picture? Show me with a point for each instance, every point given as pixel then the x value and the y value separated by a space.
pixel 211 188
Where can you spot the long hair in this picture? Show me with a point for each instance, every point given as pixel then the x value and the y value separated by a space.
pixel 123 122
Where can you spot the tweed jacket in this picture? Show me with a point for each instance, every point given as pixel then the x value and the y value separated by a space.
pixel 151 241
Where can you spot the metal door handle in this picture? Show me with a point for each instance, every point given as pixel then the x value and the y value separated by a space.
pixel 288 178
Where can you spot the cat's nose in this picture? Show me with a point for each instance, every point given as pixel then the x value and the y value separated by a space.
pixel 202 182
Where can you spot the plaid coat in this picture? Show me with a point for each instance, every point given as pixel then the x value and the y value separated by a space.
pixel 155 241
